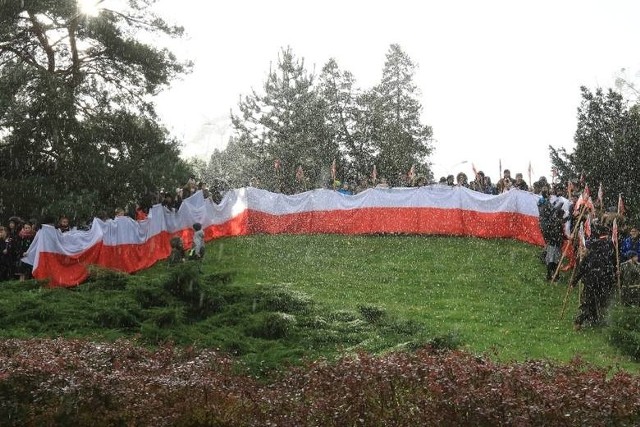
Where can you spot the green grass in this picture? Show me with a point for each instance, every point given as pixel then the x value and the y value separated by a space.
pixel 490 293
pixel 273 300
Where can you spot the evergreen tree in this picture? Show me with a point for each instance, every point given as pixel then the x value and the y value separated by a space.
pixel 607 147
pixel 78 130
pixel 399 135
pixel 295 122
pixel 285 124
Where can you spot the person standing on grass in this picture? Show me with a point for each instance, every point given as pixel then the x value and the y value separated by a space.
pixel 26 236
pixel 551 227
pixel 198 241
pixel 5 255
pixel 597 270
pixel 177 251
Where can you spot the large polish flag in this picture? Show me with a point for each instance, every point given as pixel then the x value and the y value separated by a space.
pixel 127 245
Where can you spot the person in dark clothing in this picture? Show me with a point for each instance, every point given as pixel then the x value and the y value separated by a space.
pixel 551 223
pixel 177 254
pixel 597 270
pixel 25 238
pixel 5 255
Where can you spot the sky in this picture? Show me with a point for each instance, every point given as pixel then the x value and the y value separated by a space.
pixel 499 80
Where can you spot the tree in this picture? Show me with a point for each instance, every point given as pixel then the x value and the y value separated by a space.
pixel 77 121
pixel 607 147
pixel 296 122
pixel 627 85
pixel 347 120
pixel 399 135
pixel 285 124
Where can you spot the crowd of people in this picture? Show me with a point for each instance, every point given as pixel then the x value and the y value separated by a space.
pixel 604 255
pixel 482 183
pixel 599 247
pixel 16 237
pixel 598 256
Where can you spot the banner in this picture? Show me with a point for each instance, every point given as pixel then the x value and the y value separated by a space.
pixel 127 245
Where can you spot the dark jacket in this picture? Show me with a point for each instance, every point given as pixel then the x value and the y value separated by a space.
pixel 551 223
pixel 598 268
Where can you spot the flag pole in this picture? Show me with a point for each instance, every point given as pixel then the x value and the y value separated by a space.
pixel 573 237
pixel 569 288
pixel 618 273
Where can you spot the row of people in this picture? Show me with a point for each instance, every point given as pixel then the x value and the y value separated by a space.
pixel 15 240
pixel 482 183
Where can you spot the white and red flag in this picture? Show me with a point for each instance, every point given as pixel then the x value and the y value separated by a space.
pixel 587 227
pixel 589 205
pixel 586 192
pixel 601 195
pixel 127 245
pixel 583 242
pixel 620 205
pixel 579 203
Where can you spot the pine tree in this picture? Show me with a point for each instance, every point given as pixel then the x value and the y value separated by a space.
pixel 285 123
pixel 399 135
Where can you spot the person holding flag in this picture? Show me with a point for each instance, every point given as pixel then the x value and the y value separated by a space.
pixel 551 223
pixel 597 270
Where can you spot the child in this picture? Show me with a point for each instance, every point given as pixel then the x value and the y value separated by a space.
pixel 197 252
pixel 177 251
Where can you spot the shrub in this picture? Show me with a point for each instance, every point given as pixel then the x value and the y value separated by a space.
pixel 105 279
pixel 624 329
pixel 166 317
pixel 183 283
pixel 372 313
pixel 342 315
pixel 116 318
pixel 151 296
pixel 74 382
pixel 285 300
pixel 448 341
pixel 272 325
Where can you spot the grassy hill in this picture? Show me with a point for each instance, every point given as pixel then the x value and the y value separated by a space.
pixel 273 300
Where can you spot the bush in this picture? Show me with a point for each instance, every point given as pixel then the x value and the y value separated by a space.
pixel 448 341
pixel 624 329
pixel 372 313
pixel 75 382
pixel 272 325
pixel 116 318
pixel 286 300
pixel 105 279
pixel 151 296
pixel 183 283
pixel 166 317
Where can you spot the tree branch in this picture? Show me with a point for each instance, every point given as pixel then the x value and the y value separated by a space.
pixel 42 38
